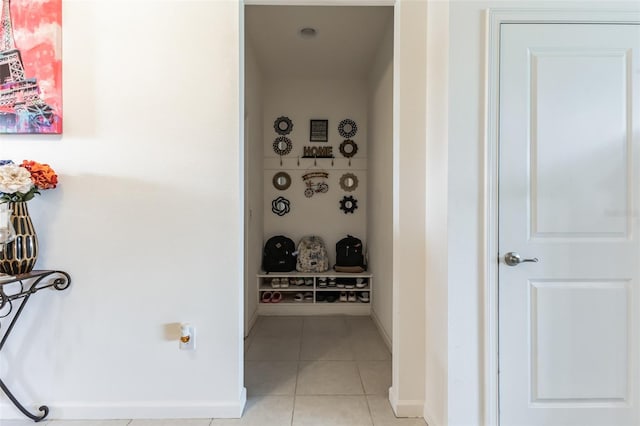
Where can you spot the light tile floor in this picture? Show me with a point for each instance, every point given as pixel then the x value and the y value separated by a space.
pixel 303 371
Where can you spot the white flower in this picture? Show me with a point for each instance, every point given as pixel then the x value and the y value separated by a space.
pixel 14 178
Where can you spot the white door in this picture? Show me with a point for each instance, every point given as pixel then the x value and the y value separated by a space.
pixel 569 196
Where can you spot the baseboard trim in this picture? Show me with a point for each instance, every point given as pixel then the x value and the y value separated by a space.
pixel 429 419
pixel 405 408
pixel 252 322
pixel 382 331
pixel 137 410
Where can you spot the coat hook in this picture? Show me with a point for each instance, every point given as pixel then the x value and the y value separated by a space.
pixel 281 161
pixel 298 161
pixel 315 161
pixel 331 161
pixel 349 161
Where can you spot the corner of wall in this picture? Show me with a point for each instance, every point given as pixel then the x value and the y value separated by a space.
pixel 406 408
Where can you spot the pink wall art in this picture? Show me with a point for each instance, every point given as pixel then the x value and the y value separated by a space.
pixel 30 67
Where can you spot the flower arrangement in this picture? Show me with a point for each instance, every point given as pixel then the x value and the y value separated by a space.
pixel 22 182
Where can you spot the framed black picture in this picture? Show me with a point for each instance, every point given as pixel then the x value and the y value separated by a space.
pixel 319 130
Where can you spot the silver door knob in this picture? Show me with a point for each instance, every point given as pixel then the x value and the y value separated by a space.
pixel 514 259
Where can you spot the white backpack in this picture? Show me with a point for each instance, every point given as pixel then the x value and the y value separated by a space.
pixel 312 255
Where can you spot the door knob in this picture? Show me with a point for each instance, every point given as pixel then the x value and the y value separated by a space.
pixel 514 259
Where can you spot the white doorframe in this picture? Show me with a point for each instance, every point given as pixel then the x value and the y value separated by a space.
pixel 494 18
pixel 401 406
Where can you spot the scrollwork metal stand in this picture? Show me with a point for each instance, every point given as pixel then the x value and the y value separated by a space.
pixel 17 291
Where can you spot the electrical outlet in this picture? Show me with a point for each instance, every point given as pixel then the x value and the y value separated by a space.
pixel 188 337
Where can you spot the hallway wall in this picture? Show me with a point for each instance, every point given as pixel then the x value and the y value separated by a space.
pixel 380 189
pixel 147 218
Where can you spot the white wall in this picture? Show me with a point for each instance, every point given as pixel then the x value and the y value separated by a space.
pixel 409 249
pixel 380 195
pixel 146 219
pixel 435 410
pixel 254 192
pixel 302 100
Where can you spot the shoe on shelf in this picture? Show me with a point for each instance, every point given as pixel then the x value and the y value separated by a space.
pixel 360 283
pixel 340 284
pixel 349 285
pixel 277 297
pixel 299 297
pixel 300 281
pixel 284 282
pixel 320 297
pixel 322 282
pixel 364 297
pixel 275 282
pixel 352 296
pixel 266 297
pixel 308 296
pixel 331 297
pixel 343 296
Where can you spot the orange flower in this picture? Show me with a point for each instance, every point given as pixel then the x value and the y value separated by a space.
pixel 42 175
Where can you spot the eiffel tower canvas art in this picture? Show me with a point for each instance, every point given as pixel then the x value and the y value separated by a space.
pixel 30 67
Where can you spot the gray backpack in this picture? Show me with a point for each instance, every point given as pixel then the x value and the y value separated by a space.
pixel 312 255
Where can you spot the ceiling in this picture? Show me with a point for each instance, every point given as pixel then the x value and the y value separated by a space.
pixel 345 45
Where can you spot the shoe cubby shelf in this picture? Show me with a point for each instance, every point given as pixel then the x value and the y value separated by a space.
pixel 314 293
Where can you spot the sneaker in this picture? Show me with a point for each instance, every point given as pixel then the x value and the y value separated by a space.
pixel 364 297
pixel 322 282
pixel 308 281
pixel 300 281
pixel 284 282
pixel 308 296
pixel 340 284
pixel 343 296
pixel 332 282
pixel 352 296
pixel 349 284
pixel 275 283
pixel 360 283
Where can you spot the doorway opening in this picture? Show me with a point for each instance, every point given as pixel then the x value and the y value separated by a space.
pixel 319 161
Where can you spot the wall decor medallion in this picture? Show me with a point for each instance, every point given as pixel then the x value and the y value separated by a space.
pixel 318 130
pixel 280 206
pixel 282 145
pixel 283 125
pixel 315 183
pixel 348 204
pixel 348 182
pixel 348 148
pixel 347 128
pixel 281 180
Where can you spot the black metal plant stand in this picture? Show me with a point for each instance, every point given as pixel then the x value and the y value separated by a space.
pixel 17 291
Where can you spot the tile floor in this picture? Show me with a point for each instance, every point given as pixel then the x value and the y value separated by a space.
pixel 303 371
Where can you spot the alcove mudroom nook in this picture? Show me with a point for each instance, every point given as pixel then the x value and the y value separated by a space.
pixel 318 158
pixel 319 191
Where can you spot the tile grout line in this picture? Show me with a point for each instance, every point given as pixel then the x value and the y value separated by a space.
pixel 366 399
pixel 295 387
pixel 364 391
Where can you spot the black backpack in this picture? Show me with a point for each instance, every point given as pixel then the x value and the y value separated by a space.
pixel 349 252
pixel 278 254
